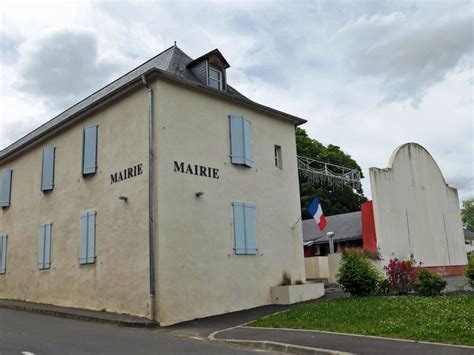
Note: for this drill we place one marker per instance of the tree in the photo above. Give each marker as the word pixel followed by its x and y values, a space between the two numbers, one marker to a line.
pixel 333 200
pixel 467 214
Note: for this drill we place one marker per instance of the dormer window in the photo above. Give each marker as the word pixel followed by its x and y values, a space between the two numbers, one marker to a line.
pixel 215 78
pixel 210 69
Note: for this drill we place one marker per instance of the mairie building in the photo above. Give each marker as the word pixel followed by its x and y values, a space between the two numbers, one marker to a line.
pixel 166 194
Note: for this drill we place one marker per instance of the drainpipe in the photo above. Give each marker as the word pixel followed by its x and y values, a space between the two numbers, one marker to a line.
pixel 151 251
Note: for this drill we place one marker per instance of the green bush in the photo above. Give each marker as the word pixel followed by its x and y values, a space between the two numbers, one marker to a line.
pixel 429 284
pixel 384 287
pixel 371 254
pixel 470 271
pixel 358 275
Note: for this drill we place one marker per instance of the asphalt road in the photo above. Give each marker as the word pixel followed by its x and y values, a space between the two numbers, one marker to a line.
pixel 26 333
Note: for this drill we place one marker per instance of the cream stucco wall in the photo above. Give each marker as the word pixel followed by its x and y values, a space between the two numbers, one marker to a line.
pixel 334 261
pixel 118 281
pixel 415 212
pixel 316 267
pixel 198 273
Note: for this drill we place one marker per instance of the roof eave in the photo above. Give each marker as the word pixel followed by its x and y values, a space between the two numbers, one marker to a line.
pixel 11 149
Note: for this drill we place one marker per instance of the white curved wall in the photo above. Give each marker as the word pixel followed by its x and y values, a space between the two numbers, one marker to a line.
pixel 415 211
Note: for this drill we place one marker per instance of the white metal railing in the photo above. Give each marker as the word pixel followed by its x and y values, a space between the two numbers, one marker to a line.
pixel 320 172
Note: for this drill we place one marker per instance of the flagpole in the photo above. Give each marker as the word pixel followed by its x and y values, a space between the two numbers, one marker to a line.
pixel 294 224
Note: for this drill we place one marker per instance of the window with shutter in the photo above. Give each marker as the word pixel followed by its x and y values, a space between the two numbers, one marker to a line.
pixel 245 241
pixel 6 188
pixel 241 141
pixel 3 253
pixel 89 150
pixel 47 172
pixel 44 250
pixel 87 249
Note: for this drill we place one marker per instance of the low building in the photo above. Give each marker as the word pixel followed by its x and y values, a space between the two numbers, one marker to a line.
pixel 166 194
pixel 347 229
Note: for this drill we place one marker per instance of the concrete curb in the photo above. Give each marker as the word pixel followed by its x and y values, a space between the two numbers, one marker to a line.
pixel 273 345
pixel 83 317
pixel 293 348
pixel 282 347
pixel 364 336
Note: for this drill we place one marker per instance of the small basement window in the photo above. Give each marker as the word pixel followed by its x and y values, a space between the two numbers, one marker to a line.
pixel 215 78
pixel 278 157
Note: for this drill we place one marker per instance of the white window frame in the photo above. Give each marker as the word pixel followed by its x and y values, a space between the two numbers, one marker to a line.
pixel 277 157
pixel 219 81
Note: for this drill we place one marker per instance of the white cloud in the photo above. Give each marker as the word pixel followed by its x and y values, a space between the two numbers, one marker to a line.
pixel 369 76
pixel 63 65
pixel 407 54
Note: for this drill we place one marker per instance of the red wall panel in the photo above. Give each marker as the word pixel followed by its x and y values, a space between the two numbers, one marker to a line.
pixel 369 236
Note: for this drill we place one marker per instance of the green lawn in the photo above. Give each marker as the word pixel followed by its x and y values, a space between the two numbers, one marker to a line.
pixel 444 319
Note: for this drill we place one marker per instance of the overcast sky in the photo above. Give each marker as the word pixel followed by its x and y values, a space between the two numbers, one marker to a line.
pixel 368 75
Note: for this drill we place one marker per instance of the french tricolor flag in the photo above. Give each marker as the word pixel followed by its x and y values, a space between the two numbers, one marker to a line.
pixel 315 210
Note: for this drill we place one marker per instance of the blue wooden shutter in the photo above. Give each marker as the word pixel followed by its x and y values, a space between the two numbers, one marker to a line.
pixel 44 254
pixel 41 246
pixel 250 229
pixel 83 250
pixel 91 237
pixel 3 253
pixel 239 228
pixel 241 141
pixel 87 249
pixel 47 249
pixel 248 156
pixel 237 152
pixel 47 174
pixel 89 150
pixel 6 188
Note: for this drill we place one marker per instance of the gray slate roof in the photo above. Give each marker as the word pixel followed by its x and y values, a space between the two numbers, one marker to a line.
pixel 345 226
pixel 171 64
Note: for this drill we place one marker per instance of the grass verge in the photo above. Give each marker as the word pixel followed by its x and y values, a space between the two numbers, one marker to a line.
pixel 444 319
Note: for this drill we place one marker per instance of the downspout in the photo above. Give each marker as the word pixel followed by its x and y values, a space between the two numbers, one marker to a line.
pixel 151 251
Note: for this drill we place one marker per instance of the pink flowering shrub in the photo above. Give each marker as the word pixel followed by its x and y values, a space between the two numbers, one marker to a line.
pixel 402 275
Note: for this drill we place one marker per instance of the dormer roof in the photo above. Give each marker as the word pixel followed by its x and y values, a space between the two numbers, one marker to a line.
pixel 214 57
